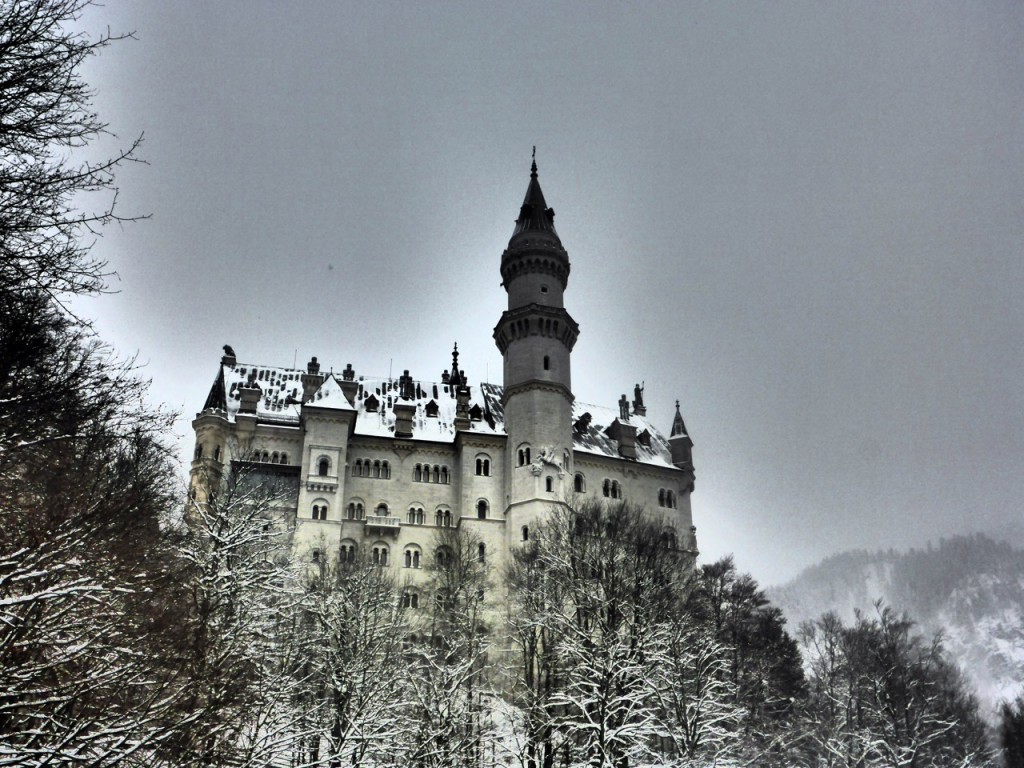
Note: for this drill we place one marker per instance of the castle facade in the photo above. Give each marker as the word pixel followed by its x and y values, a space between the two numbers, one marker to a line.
pixel 374 467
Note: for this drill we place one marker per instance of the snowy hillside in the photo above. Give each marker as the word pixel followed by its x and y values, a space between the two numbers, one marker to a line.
pixel 971 588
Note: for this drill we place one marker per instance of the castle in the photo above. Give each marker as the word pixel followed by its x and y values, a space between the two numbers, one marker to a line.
pixel 375 466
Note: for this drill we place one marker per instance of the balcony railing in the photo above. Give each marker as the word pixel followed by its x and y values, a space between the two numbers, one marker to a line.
pixel 378 521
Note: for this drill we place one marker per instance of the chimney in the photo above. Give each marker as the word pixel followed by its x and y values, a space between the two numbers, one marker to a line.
pixel 250 395
pixel 404 413
pixel 349 385
pixel 311 380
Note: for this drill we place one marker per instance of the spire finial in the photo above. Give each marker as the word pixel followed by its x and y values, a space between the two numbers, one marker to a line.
pixel 533 165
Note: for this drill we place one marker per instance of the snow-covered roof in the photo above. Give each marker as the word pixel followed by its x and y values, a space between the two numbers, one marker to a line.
pixel 435 405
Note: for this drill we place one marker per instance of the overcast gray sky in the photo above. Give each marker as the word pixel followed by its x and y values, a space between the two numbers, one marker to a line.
pixel 801 219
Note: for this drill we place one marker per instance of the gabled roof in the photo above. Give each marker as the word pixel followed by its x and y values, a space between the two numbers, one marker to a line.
pixel 330 395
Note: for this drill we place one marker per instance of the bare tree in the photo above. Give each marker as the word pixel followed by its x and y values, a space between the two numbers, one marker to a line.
pixel 352 628
pixel 236 648
pixel 46 113
pixel 449 668
pixel 882 695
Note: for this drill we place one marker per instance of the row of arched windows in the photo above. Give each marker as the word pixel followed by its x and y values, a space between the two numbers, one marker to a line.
pixel 666 498
pixel 371 468
pixel 261 456
pixel 611 489
pixel 415 516
pixel 424 473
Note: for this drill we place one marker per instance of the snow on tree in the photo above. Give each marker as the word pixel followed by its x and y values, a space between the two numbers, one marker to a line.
pixel 238 650
pixel 448 666
pixel 352 629
pixel 881 695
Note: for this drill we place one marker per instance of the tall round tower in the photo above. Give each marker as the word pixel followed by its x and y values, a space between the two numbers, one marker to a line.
pixel 535 337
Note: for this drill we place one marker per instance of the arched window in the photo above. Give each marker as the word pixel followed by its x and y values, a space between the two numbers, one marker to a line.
pixel 549 484
pixel 526 533
pixel 410 599
pixel 412 516
pixel 385 470
pixel 323 466
pixel 348 551
pixel 199 452
pixel 417 474
pixel 661 497
pixel 444 475
pixel 265 458
pixel 381 510
pixel 606 487
pixel 412 557
pixel 481 509
pixel 284 458
pixel 355 510
pixel 481 552
pixel 579 484
pixel 524 456
pixel 380 554
pixel 443 557
pixel 376 469
pixel 447 518
pixel 616 490
pixel 419 516
pixel 273 456
pixel 438 518
pixel 437 474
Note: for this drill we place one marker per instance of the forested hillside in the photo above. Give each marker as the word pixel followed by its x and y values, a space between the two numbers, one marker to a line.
pixel 969 587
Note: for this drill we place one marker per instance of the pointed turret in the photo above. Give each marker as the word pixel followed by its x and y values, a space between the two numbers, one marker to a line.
pixel 680 443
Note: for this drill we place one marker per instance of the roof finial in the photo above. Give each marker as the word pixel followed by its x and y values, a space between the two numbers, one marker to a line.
pixel 533 166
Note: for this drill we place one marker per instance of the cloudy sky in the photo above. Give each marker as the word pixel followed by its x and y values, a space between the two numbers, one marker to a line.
pixel 801 219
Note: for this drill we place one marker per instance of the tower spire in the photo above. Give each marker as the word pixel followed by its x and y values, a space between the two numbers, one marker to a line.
pixel 678 427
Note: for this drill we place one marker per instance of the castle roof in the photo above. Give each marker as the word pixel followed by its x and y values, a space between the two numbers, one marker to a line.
pixel 281 393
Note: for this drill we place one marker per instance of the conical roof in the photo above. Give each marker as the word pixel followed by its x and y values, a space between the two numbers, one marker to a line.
pixel 534 215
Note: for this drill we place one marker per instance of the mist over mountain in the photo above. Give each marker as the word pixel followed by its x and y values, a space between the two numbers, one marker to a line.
pixel 971 588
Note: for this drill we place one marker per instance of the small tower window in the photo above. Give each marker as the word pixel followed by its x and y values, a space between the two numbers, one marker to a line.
pixel 526 533
pixel 579 484
pixel 323 467
pixel 216 453
pixel 481 552
pixel 549 484
pixel 547 363
pixel 481 509
pixel 543 289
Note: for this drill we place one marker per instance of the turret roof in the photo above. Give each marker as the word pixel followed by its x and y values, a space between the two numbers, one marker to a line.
pixel 678 427
pixel 534 215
